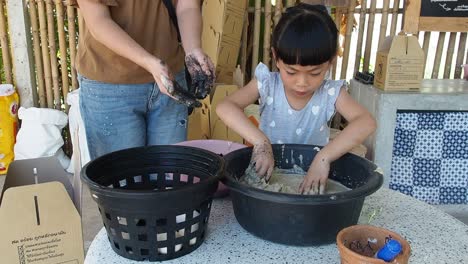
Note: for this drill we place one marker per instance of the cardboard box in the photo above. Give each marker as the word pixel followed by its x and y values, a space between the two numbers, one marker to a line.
pixel 204 123
pixel 199 121
pixel 223 22
pixel 38 221
pixel 48 169
pixel 217 127
pixel 400 64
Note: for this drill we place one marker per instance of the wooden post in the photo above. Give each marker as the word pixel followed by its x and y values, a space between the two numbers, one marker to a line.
pixel 460 55
pixel 338 15
pixel 53 53
pixel 244 42
pixel 267 34
pixel 23 61
pixel 37 54
pixel 369 37
pixel 72 43
pixel 256 39
pixel 383 24
pixel 449 56
pixel 411 17
pixel 276 18
pixel 427 38
pixel 63 50
pixel 396 6
pixel 5 46
pixel 45 53
pixel 347 44
pixel 438 56
pixel 362 23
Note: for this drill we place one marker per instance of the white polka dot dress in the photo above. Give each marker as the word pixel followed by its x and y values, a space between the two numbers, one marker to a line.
pixel 283 124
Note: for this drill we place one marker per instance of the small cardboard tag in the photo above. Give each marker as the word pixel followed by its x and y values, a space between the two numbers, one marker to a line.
pixel 40 225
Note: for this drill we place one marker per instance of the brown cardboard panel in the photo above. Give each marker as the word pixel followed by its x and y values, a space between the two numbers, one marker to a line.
pixel 199 122
pixel 48 169
pixel 399 64
pixel 218 129
pixel 236 4
pixel 228 54
pixel 224 75
pixel 39 224
pixel 233 23
pixel 222 30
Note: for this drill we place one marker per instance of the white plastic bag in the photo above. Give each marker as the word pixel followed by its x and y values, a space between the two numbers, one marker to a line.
pixel 40 134
pixel 77 132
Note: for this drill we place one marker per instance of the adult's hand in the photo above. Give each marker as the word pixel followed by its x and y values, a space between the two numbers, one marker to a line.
pixel 202 73
pixel 167 85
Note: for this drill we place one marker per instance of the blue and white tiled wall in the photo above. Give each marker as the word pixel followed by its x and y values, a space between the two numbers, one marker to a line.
pixel 430 156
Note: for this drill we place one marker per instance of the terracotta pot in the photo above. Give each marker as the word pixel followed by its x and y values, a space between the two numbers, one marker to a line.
pixel 361 234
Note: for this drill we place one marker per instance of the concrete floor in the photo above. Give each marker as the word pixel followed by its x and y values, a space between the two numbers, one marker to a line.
pixel 91 219
pixel 92 223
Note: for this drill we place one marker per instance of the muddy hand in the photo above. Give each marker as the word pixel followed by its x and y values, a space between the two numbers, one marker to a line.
pixel 201 71
pixel 262 155
pixel 316 179
pixel 179 93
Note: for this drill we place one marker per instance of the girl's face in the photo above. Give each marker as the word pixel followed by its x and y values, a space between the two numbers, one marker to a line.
pixel 300 82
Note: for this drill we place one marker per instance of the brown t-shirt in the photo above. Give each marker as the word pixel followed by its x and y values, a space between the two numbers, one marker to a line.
pixel 149 24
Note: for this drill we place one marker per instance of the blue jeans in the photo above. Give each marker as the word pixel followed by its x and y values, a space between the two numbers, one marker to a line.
pixel 120 116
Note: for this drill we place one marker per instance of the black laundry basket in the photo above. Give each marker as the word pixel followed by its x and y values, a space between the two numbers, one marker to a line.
pixel 154 201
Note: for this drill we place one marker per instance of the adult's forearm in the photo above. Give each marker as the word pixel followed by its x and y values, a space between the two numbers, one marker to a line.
pixel 190 26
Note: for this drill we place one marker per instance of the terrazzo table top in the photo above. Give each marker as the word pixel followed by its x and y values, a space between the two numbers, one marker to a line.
pixel 434 236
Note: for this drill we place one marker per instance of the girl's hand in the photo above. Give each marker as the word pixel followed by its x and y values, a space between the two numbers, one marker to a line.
pixel 262 157
pixel 316 178
pixel 201 71
pixel 168 86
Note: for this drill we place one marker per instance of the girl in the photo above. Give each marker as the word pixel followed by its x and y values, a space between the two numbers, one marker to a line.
pixel 297 102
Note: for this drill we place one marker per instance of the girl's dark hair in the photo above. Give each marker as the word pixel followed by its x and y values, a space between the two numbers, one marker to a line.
pixel 305 35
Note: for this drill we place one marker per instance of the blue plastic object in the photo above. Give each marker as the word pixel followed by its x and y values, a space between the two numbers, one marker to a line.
pixel 390 250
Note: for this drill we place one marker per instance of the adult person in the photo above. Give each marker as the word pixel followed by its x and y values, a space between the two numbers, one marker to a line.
pixel 131 72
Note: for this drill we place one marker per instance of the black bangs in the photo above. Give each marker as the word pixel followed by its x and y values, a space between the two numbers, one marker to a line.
pixel 305 38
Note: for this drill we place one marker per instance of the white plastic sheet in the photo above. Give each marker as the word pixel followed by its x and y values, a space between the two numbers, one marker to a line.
pixel 77 133
pixel 40 134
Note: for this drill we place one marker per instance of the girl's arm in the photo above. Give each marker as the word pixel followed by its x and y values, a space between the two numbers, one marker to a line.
pixel 360 125
pixel 110 34
pixel 231 111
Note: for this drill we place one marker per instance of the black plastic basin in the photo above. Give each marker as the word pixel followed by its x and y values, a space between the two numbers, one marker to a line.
pixel 301 220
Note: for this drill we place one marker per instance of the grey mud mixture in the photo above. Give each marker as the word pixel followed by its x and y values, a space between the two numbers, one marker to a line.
pixel 286 181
